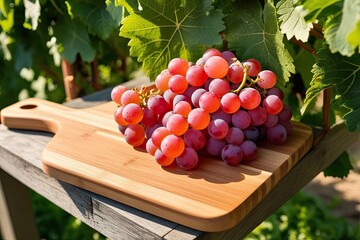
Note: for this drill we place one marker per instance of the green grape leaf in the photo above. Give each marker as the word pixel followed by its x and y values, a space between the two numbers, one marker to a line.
pixel 163 30
pixel 73 37
pixel 32 14
pixel 94 15
pixel 313 8
pixel 342 24
pixel 342 73
pixel 115 12
pixel 340 167
pixel 130 5
pixel 292 20
pixel 254 33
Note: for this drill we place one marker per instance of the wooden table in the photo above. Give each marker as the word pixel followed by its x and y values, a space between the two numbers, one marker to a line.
pixel 21 168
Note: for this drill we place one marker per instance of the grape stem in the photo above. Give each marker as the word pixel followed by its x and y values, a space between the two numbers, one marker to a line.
pixel 145 93
pixel 245 78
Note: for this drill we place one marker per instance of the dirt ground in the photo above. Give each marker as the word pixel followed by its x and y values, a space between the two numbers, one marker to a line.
pixel 343 195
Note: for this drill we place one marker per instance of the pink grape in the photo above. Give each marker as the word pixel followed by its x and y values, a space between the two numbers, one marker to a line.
pixel 216 67
pixel 258 116
pixel 119 119
pixel 178 66
pixel 230 102
pixel 235 73
pixel 285 114
pixel 232 154
pixel 218 129
pixel 219 86
pixel 250 98
pixel 149 117
pixel 271 120
pixel 249 150
pixel 189 91
pixel 210 53
pixel 241 119
pixel 194 138
pixel 178 83
pixel 116 93
pixel 132 113
pixel 150 147
pixel 134 135
pixel 276 91
pixel 177 124
pixel 130 96
pixel 272 104
pixel 255 67
pixel 150 129
pixel 157 104
pixel 228 56
pixel 162 159
pixel 166 116
pixel 172 146
pixel 214 146
pixel 276 134
pixel 267 79
pixel 169 97
pixel 198 118
pixel 162 80
pixel 235 136
pixel 288 126
pixel 159 134
pixel 196 96
pixel 179 98
pixel 188 159
pixel 196 76
pixel 209 102
pixel 183 108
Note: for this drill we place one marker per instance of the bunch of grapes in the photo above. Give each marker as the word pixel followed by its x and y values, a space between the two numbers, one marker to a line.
pixel 219 106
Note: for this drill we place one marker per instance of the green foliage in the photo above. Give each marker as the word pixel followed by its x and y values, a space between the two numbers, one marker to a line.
pixel 304 217
pixel 339 168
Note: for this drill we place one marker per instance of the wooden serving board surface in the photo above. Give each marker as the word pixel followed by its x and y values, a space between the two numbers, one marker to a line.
pixel 88 151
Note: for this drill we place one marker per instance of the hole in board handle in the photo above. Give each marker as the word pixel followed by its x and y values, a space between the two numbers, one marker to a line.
pixel 28 106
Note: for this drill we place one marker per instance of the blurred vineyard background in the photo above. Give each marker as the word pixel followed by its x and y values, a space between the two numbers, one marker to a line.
pixel 39 38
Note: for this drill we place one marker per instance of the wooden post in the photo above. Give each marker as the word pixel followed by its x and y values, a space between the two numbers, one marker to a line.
pixel 71 89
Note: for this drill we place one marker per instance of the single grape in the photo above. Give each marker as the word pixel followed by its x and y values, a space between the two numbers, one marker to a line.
pixel 198 118
pixel 214 146
pixel 219 86
pixel 285 114
pixel 196 76
pixel 122 128
pixel 162 159
pixel 162 80
pixel 251 133
pixel 267 79
pixel 172 145
pixel 165 118
pixel 255 67
pixel 272 104
pixel 116 93
pixel 188 159
pixel 241 119
pixel 220 114
pixel 189 91
pixel 183 108
pixel 276 91
pixel 232 154
pixel 150 147
pixel 288 126
pixel 271 120
pixel 250 98
pixel 194 138
pixel 178 84
pixel 149 117
pixel 209 102
pixel 178 66
pixel 216 67
pixel 276 134
pixel 228 56
pixel 249 150
pixel 210 53
pixel 132 113
pixel 119 119
pixel 134 134
pixel 157 104
pixel 218 129
pixel 177 124
pixel 169 97
pixel 230 102
pixel 196 96
pixel 159 134
pixel 149 130
pixel 258 116
pixel 180 97
pixel 235 136
pixel 235 73
pixel 130 96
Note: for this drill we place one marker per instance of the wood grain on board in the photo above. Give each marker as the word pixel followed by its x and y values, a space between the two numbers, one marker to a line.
pixel 89 152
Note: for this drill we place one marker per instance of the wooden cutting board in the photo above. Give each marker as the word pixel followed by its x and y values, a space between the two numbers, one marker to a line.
pixel 88 151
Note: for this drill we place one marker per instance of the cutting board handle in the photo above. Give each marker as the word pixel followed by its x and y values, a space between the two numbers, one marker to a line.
pixel 34 114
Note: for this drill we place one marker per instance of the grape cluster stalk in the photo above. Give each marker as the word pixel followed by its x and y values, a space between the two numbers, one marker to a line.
pixel 219 107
